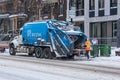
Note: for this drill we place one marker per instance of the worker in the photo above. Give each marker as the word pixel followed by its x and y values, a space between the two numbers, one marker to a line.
pixel 88 48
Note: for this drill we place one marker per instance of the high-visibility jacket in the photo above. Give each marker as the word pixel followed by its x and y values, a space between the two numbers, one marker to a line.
pixel 88 45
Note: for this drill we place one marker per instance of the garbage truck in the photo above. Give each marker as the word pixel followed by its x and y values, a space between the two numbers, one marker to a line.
pixel 48 39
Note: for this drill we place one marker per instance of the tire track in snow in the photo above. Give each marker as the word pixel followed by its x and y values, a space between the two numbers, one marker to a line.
pixel 94 68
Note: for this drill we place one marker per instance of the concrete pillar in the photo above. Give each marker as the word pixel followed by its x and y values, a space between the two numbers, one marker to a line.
pixel 87 28
pixel 96 7
pixel 118 8
pixel 67 12
pixel 86 22
pixel 107 7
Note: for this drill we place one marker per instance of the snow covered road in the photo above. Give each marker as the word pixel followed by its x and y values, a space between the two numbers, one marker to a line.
pixel 30 68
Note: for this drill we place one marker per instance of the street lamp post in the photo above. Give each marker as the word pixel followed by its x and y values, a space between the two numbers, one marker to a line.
pixel 71 20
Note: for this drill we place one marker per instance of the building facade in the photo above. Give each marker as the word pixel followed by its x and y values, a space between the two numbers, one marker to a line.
pixel 5 10
pixel 53 9
pixel 97 18
pixel 11 15
pixel 14 13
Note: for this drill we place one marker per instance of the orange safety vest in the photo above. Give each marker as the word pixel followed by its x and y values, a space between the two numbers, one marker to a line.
pixel 88 45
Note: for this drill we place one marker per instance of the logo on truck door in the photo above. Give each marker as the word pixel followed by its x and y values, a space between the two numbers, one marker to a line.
pixel 28 33
pixel 31 34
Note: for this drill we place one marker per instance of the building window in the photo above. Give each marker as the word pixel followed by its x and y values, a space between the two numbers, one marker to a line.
pixel 113 3
pixel 113 11
pixel 92 33
pixel 114 29
pixel 92 14
pixel 80 4
pixel 10 9
pixel 113 7
pixel 92 8
pixel 71 4
pixel 61 7
pixel 103 32
pixel 101 7
pixel 101 13
pixel 45 9
pixel 92 4
pixel 101 3
pixel 79 7
pixel 82 27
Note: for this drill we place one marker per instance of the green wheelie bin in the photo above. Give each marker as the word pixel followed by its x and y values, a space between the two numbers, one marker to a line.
pixel 95 50
pixel 105 50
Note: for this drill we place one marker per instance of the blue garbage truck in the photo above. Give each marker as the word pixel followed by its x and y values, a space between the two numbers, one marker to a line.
pixel 48 39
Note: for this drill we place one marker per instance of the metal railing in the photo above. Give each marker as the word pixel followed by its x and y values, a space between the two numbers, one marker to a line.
pixel 107 40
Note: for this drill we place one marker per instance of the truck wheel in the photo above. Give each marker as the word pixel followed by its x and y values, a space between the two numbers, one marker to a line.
pixel 12 50
pixel 47 53
pixel 38 52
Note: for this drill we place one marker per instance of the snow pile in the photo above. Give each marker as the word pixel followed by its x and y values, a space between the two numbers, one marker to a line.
pixel 113 60
pixel 7 51
pixel 113 49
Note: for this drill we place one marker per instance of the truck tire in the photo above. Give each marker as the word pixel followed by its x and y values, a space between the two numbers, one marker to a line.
pixel 12 50
pixel 38 52
pixel 47 53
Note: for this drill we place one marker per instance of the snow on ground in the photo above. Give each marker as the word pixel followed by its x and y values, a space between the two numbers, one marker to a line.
pixel 112 57
pixel 113 60
pixel 10 70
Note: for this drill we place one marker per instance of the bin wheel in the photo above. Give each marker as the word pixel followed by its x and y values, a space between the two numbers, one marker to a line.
pixel 12 50
pixel 38 52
